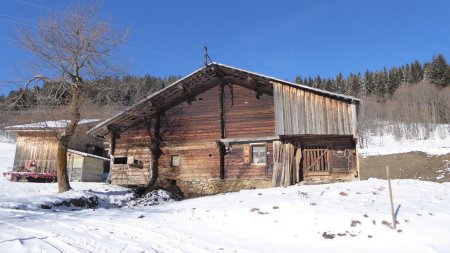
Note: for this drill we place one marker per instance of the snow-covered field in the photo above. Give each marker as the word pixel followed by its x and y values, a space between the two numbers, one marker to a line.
pixel 437 142
pixel 293 219
pixel 339 217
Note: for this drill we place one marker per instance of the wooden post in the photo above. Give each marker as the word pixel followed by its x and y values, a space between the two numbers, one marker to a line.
pixel 394 222
pixel 222 131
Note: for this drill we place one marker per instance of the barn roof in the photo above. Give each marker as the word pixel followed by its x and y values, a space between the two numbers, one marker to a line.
pixel 196 83
pixel 47 125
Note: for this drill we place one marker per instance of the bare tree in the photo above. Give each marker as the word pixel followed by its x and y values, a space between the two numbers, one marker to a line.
pixel 73 48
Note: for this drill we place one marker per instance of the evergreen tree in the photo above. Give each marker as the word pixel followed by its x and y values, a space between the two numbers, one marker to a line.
pixel 354 87
pixel 318 82
pixel 369 83
pixel 341 86
pixel 416 74
pixel 393 81
pixel 438 71
pixel 381 79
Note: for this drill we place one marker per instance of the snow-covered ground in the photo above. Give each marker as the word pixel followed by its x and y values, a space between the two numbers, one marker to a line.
pixel 437 142
pixel 7 151
pixel 339 217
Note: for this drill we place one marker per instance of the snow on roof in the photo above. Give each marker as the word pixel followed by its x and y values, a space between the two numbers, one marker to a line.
pixel 49 124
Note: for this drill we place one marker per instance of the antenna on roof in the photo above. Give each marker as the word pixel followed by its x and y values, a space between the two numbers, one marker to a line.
pixel 206 56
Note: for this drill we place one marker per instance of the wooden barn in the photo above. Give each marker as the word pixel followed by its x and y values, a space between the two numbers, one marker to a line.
pixel 223 129
pixel 37 145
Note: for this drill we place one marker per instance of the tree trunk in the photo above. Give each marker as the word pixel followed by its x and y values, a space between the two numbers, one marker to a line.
pixel 61 171
pixel 155 146
pixel 69 131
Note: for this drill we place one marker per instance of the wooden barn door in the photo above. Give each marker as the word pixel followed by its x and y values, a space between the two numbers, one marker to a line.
pixel 316 161
pixel 286 164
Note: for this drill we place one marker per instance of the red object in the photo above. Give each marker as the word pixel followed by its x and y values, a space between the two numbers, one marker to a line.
pixel 31 176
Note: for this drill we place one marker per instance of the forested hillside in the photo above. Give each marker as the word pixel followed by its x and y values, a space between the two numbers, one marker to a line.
pixel 102 99
pixel 383 84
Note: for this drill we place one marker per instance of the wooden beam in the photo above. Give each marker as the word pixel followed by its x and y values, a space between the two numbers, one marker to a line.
pixel 249 140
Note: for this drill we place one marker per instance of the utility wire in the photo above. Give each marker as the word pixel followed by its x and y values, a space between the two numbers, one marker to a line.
pixel 32 24
pixel 135 30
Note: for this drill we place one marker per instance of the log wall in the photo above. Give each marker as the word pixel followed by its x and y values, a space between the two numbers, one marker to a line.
pixel 192 132
pixel 246 116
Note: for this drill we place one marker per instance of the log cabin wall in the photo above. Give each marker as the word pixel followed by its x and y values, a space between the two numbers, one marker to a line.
pixel 247 117
pixel 132 143
pixel 301 112
pixel 191 133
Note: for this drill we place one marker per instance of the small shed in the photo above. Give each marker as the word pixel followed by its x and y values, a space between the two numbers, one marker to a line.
pixel 37 145
pixel 85 167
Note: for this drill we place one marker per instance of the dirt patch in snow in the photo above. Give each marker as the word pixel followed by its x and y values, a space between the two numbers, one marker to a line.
pixel 412 165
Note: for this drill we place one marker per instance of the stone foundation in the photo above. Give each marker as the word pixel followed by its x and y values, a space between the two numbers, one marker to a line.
pixel 197 188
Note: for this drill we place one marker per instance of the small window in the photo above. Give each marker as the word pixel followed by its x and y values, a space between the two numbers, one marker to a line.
pixel 259 154
pixel 175 160
pixel 120 160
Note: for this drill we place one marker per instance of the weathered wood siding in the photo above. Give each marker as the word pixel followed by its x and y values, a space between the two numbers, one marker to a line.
pixel 74 166
pixel 235 168
pixel 300 112
pixel 41 148
pixel 92 170
pixel 341 156
pixel 192 131
pixel 133 142
pixel 246 116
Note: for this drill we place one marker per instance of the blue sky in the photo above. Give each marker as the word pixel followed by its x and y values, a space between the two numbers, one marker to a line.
pixel 278 38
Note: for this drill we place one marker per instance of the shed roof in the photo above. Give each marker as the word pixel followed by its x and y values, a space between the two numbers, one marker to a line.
pixel 84 154
pixel 47 125
pixel 195 83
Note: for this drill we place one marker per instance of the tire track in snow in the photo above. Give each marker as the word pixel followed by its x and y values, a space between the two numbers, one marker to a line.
pixel 58 221
pixel 45 237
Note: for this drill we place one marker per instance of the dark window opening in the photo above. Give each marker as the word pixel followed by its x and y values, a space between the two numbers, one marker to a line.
pixel 120 160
